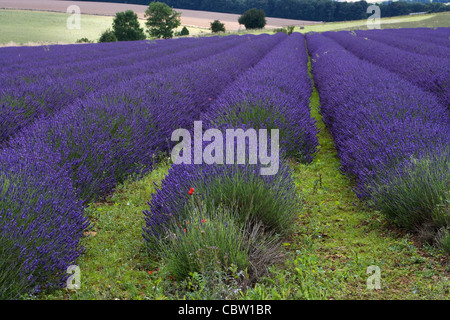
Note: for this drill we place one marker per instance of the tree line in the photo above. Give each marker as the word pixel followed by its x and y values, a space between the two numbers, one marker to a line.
pixel 161 20
pixel 315 10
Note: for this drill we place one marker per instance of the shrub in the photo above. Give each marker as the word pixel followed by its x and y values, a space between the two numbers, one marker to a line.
pixel 270 199
pixel 126 26
pixel 84 40
pixel 298 143
pixel 253 19
pixel 217 26
pixel 288 30
pixel 207 241
pixel 213 242
pixel 108 36
pixel 444 241
pixel 161 20
pixel 415 192
pixel 41 222
pixel 184 32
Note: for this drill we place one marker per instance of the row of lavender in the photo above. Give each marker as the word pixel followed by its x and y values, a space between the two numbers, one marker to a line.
pixel 274 94
pixel 52 167
pixel 138 51
pixel 431 72
pixel 42 58
pixel 392 131
pixel 439 36
pixel 404 42
pixel 25 101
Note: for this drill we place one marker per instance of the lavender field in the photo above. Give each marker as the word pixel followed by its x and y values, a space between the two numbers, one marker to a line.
pixel 79 121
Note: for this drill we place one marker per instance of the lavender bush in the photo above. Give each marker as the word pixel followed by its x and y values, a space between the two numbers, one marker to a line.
pixel 41 222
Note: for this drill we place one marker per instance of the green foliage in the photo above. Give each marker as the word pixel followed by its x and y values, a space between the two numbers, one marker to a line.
pixel 262 115
pixel 288 30
pixel 252 198
pixel 256 115
pixel 445 242
pixel 253 19
pixel 84 40
pixel 126 26
pixel 161 20
pixel 217 243
pixel 207 241
pixel 108 36
pixel 217 26
pixel 184 31
pixel 415 193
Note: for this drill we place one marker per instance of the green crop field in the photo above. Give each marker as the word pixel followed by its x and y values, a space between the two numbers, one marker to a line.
pixel 26 27
pixel 416 21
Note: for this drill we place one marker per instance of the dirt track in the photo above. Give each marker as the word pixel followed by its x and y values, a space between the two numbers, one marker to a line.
pixel 188 17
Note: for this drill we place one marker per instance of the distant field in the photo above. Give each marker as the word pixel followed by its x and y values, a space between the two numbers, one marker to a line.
pixel 432 20
pixel 23 27
pixel 30 27
pixel 194 18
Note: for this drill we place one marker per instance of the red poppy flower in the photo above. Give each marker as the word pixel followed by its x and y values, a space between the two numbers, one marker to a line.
pixel 191 191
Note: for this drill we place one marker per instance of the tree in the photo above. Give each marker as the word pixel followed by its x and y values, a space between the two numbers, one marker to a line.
pixel 126 26
pixel 108 36
pixel 184 31
pixel 253 19
pixel 217 26
pixel 161 20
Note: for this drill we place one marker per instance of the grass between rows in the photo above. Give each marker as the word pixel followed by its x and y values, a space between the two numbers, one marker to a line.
pixel 336 239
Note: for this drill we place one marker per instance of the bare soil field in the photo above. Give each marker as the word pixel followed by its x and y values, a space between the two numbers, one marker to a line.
pixel 188 17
